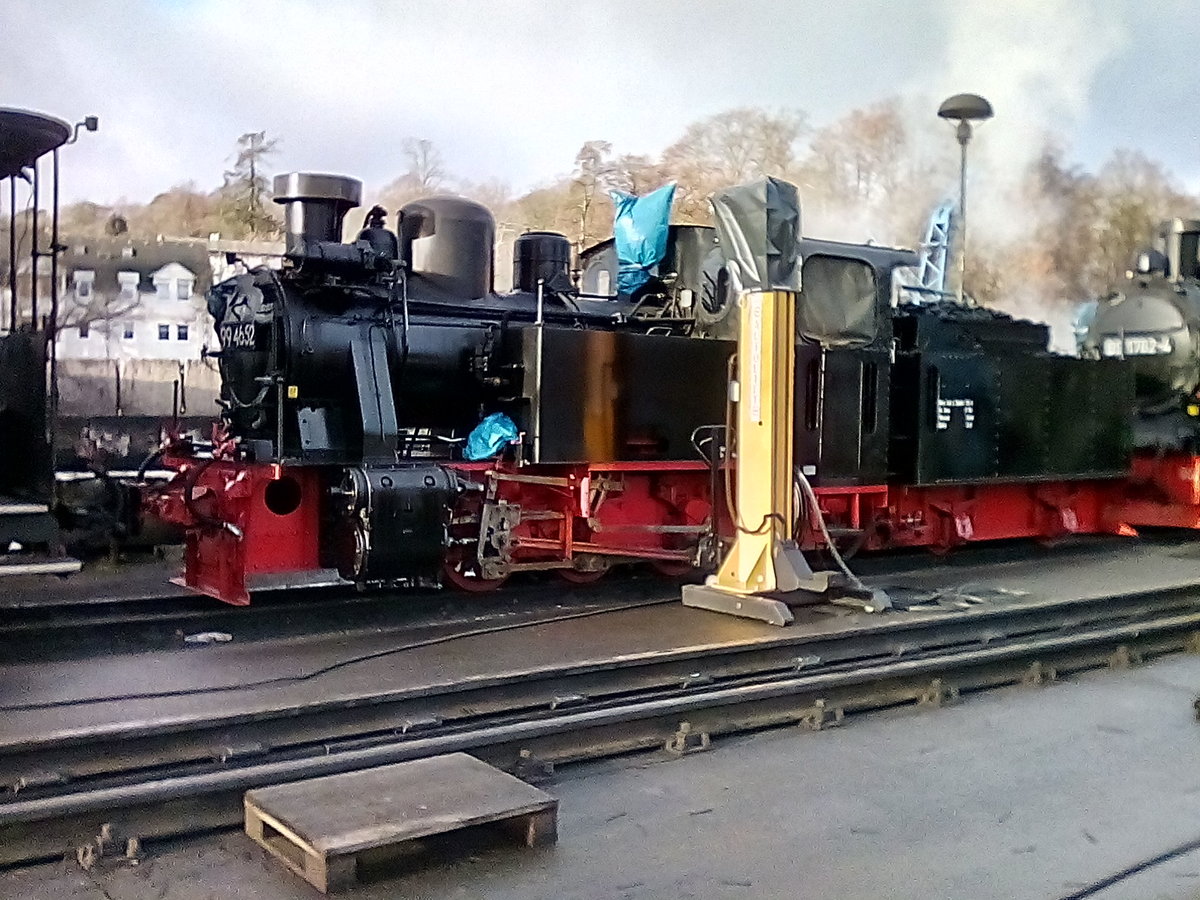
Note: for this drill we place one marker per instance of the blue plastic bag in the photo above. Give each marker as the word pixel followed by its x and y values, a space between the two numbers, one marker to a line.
pixel 640 231
pixel 490 436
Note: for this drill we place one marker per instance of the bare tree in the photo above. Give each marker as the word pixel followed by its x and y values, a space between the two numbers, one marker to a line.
pixel 426 170
pixel 548 208
pixel 1133 193
pixel 727 149
pixel 183 211
pixel 84 218
pixel 636 174
pixel 866 175
pixel 593 170
pixel 860 157
pixel 100 308
pixel 425 175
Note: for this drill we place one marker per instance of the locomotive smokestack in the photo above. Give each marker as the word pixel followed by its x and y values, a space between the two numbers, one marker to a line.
pixel 314 205
pixel 1180 240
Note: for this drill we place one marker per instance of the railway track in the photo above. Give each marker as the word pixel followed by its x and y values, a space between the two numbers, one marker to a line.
pixel 163 621
pixel 169 777
pixel 47 620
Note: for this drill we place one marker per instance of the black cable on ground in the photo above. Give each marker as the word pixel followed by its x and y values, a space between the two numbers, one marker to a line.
pixel 340 664
pixel 1105 883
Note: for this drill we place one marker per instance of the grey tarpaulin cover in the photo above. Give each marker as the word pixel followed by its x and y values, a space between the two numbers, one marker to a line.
pixel 759 228
pixel 837 306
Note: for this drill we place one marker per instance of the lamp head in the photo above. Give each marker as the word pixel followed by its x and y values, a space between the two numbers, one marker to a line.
pixel 965 108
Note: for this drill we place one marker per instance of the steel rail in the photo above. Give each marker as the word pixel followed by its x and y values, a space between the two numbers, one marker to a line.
pixel 141 607
pixel 146 744
pixel 30 827
pixel 147 623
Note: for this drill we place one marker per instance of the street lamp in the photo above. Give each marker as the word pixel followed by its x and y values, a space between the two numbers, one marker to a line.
pixel 964 109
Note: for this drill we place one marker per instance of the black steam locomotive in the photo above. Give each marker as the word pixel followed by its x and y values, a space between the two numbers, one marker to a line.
pixel 353 379
pixel 1152 321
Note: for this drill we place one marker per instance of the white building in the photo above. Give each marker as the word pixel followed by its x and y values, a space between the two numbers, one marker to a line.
pixel 228 258
pixel 134 300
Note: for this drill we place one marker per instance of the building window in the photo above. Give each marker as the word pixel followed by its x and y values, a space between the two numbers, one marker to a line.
pixel 162 290
pixel 129 285
pixel 164 332
pixel 184 288
pixel 128 331
pixel 83 330
pixel 181 332
pixel 83 285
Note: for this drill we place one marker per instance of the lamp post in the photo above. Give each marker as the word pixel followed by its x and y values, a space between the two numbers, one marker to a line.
pixel 964 109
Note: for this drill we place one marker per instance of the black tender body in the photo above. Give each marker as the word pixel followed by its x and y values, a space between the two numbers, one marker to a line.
pixel 976 397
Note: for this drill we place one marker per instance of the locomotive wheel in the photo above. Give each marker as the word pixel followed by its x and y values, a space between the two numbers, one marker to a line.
pixel 671 568
pixel 574 576
pixel 585 576
pixel 462 571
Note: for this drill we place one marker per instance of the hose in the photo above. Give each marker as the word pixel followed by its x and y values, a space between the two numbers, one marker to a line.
pixel 153 457
pixel 349 661
pixel 811 497
pixel 189 502
pixel 1129 871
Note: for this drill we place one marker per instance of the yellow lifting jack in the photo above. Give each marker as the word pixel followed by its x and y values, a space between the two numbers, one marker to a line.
pixel 764 572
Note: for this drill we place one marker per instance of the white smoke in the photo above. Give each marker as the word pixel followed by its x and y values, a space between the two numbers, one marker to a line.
pixel 1036 61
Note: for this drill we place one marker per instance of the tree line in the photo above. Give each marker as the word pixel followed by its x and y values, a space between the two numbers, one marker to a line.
pixel 1056 232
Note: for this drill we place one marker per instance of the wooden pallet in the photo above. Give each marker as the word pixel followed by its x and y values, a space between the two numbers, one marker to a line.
pixel 323 828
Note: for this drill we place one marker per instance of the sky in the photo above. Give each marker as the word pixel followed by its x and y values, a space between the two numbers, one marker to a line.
pixel 510 89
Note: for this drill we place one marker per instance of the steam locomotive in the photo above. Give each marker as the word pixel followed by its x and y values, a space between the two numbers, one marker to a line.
pixel 356 382
pixel 1152 321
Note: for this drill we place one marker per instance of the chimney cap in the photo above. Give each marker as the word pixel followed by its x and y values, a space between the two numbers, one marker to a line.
pixel 317 186
pixel 1179 226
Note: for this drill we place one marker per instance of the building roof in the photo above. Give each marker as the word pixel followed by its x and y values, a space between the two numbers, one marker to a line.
pixel 107 258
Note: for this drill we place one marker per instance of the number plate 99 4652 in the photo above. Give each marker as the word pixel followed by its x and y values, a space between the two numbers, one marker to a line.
pixel 239 336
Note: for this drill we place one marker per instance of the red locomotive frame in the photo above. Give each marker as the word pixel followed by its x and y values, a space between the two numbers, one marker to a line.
pixel 245 520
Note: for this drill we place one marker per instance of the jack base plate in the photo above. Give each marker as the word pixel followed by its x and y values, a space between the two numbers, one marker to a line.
pixel 822 587
pixel 767 609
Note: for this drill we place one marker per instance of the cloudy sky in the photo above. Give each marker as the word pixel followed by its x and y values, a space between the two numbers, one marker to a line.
pixel 510 88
